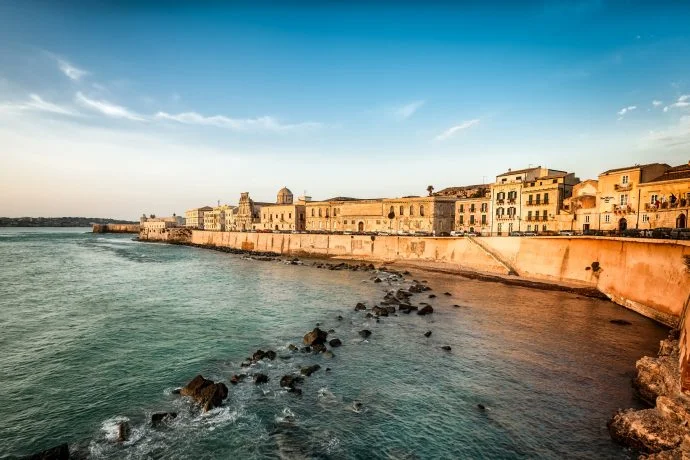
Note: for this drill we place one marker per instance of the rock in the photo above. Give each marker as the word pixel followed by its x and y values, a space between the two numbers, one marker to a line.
pixel 176 391
pixel 237 378
pixel 292 347
pixel 245 363
pixel 60 452
pixel 340 318
pixel 319 348
pixel 645 430
pixel 160 417
pixel 456 306
pixel 331 331
pixel 310 370
pixel 316 336
pixel 122 431
pixel 334 343
pixel 432 296
pixel 205 392
pixel 328 355
pixel 445 347
pixel 657 377
pixel 427 334
pixel 390 309
pixel 379 311
pixel 305 350
pixel 328 369
pixel 447 293
pixel 369 315
pixel 270 354
pixel 481 406
pixel 290 381
pixel 620 322
pixel 360 306
pixel 377 280
pixel 260 354
pixel 365 333
pixel 427 310
pixel 260 378
pixel 297 391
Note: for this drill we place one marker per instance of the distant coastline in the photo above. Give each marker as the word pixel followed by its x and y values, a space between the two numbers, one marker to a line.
pixel 58 221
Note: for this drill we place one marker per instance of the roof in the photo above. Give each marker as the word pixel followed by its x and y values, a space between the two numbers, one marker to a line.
pixel 633 167
pixel 285 190
pixel 343 198
pixel 519 171
pixel 263 203
pixel 675 173
pixel 553 176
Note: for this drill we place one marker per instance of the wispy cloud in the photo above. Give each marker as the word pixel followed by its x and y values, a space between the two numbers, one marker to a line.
pixel 71 71
pixel 450 132
pixel 677 135
pixel 407 110
pixel 37 103
pixel 625 110
pixel 236 124
pixel 682 102
pixel 657 103
pixel 108 109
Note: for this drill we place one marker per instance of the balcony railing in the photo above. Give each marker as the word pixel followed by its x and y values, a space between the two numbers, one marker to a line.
pixel 623 187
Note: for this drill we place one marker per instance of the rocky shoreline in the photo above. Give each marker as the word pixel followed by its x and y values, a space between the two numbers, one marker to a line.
pixel 662 431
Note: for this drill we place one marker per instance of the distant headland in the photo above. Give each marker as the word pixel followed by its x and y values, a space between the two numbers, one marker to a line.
pixel 58 221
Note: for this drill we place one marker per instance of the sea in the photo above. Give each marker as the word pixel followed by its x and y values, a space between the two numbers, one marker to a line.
pixel 99 329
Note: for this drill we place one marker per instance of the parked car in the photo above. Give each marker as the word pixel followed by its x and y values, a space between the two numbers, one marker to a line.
pixel 472 234
pixel 680 234
pixel 444 234
pixel 593 233
pixel 515 233
pixel 631 233
pixel 566 233
pixel 661 233
pixel 457 233
pixel 529 234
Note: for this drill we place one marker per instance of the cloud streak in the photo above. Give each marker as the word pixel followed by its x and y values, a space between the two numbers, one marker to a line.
pixel 406 111
pixel 682 103
pixel 72 72
pixel 267 123
pixel 677 135
pixel 37 103
pixel 452 131
pixel 625 110
pixel 108 109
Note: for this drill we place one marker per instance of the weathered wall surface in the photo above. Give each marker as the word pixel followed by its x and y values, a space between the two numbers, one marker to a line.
pixel 115 228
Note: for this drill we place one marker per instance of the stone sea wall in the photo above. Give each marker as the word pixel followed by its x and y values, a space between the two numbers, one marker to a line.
pixel 115 228
pixel 648 276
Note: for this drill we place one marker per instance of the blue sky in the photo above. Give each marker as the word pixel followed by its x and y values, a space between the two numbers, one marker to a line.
pixel 119 108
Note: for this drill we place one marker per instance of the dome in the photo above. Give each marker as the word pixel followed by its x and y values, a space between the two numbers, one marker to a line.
pixel 284 196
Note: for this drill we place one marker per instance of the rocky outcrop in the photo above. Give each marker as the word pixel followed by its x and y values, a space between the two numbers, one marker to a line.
pixel 158 418
pixel 335 343
pixel 60 452
pixel 205 392
pixel 664 430
pixel 316 336
pixel 427 310
pixel 310 370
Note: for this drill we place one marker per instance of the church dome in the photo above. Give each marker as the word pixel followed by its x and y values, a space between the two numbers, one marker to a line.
pixel 284 196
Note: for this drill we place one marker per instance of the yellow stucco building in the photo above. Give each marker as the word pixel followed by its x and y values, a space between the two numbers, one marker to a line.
pixel 666 199
pixel 284 215
pixel 194 218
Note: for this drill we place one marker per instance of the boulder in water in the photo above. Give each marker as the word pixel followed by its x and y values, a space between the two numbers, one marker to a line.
pixel 310 370
pixel 316 336
pixel 60 452
pixel 335 343
pixel 162 417
pixel 319 348
pixel 237 378
pixel 446 347
pixel 427 334
pixel 360 306
pixel 620 322
pixel 260 378
pixel 292 347
pixel 427 310
pixel 290 381
pixel 122 431
pixel 365 333
pixel 205 392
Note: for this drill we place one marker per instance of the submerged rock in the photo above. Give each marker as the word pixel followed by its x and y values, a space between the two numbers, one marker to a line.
pixel 319 348
pixel 310 370
pixel 60 452
pixel 160 417
pixel 335 343
pixel 316 336
pixel 290 381
pixel 205 392
pixel 360 306
pixel 427 310
pixel 447 294
pixel 237 378
pixel 427 334
pixel 365 333
pixel 123 431
pixel 292 347
pixel 446 347
pixel 260 378
pixel 620 322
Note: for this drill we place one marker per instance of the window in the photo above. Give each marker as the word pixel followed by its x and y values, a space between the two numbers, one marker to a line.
pixel 511 211
pixel 529 200
pixel 462 208
pixel 544 214
pixel 412 210
pixel 653 198
pixel 472 219
pixel 282 216
pixel 472 208
pixel 624 180
pixel 401 210
pixel 529 215
pixel 500 211
pixel 421 210
pixel 485 207
pixel 586 219
pixel 289 215
pixel 312 212
pixel 378 222
pixel 391 210
pixel 546 198
pixel 543 228
pixel 327 213
pixel 320 212
pixel 499 227
pixel 555 181
pixel 504 180
pixel 607 218
pixel 462 219
pixel 624 199
pixel 529 228
pixel 645 218
pixel 483 219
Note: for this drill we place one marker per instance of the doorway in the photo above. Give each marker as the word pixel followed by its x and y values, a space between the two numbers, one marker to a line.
pixel 681 221
pixel 622 225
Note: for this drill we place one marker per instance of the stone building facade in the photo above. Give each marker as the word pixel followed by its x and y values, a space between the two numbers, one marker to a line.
pixel 665 200
pixel 216 220
pixel 248 216
pixel 194 218
pixel 473 213
pixel 284 215
pixel 580 212
pixel 153 222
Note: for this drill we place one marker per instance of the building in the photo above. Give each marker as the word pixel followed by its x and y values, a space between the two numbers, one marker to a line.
pixel 216 220
pixel 580 212
pixel 194 218
pixel 431 215
pixel 665 200
pixel 619 195
pixel 248 216
pixel 529 199
pixel 153 222
pixel 473 210
pixel 285 215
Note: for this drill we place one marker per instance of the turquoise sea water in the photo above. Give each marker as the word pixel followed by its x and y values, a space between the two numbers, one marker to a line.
pixel 99 328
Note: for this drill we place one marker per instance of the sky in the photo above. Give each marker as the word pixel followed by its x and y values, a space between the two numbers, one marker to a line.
pixel 114 109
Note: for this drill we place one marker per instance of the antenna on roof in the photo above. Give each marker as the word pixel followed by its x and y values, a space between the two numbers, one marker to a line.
pixel 218 202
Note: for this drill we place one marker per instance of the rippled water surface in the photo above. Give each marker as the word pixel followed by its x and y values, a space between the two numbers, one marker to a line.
pixel 99 328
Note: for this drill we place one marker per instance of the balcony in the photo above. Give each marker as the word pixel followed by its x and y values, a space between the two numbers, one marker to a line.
pixel 533 203
pixel 623 187
pixel 623 209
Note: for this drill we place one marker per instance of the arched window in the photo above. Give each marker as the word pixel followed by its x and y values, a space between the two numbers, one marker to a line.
pixel 312 212
pixel 327 212
pixel 401 210
pixel 421 209
pixel 412 210
pixel 320 212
